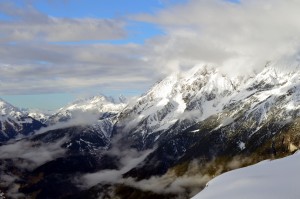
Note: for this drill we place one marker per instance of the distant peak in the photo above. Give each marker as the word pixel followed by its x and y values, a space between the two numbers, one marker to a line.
pixel 5 104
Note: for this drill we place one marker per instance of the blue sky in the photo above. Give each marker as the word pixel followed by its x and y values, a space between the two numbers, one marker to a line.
pixel 107 9
pixel 53 52
pixel 137 32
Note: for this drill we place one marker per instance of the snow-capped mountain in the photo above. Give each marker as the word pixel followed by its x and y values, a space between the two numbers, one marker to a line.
pixel 39 115
pixel 97 105
pixel 9 110
pixel 202 117
pixel 180 101
pixel 14 122
pixel 189 97
pixel 86 125
pixel 92 116
pixel 255 117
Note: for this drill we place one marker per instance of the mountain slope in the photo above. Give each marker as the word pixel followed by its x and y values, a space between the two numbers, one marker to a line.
pixel 253 114
pixel 180 101
pixel 266 180
pixel 38 115
pixel 184 99
pixel 197 124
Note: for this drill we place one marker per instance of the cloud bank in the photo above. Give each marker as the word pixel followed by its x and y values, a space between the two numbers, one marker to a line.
pixel 236 36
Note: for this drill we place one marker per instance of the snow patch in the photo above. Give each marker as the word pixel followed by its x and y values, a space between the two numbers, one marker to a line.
pixel 267 180
pixel 241 145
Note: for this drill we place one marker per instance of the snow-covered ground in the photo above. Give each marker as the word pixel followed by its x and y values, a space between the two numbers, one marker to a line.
pixel 278 179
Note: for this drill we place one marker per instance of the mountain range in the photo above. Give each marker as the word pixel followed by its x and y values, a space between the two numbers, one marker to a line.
pixel 168 143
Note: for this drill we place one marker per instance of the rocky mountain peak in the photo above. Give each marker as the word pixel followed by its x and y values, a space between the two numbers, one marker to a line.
pixel 6 109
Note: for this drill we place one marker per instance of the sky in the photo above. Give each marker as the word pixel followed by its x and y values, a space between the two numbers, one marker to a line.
pixel 53 52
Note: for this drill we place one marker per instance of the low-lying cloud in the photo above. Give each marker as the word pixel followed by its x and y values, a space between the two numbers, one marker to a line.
pixel 77 118
pixel 186 185
pixel 168 184
pixel 12 188
pixel 29 154
pixel 128 159
pixel 25 155
pixel 194 179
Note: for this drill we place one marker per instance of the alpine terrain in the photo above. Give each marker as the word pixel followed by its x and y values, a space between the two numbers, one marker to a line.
pixel 168 143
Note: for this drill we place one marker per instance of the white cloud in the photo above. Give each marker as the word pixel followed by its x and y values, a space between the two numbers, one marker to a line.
pixel 239 38
pixel 61 30
pixel 79 118
pixel 129 158
pixel 28 24
pixel 34 153
pixel 33 64
pixel 186 185
pixel 227 34
pixel 65 68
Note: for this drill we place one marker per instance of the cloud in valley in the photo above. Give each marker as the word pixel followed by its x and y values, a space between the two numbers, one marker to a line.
pixel 129 158
pixel 78 118
pixel 186 185
pixel 29 154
